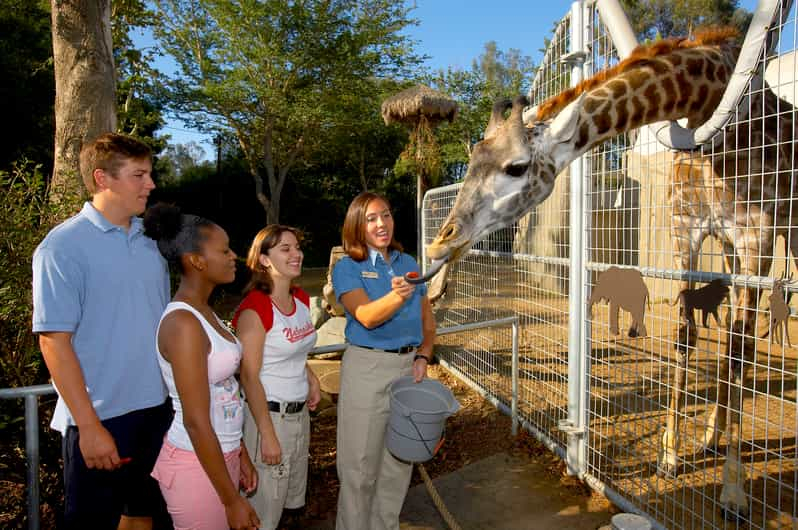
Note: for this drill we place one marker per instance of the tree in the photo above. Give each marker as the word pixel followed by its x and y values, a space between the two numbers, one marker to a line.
pixel 177 159
pixel 27 89
pixel 653 19
pixel 85 85
pixel 493 75
pixel 139 90
pixel 360 146
pixel 273 72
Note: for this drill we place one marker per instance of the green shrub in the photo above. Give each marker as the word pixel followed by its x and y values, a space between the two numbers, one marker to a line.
pixel 25 218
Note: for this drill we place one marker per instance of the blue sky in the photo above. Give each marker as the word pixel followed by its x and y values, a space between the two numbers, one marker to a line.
pixel 454 32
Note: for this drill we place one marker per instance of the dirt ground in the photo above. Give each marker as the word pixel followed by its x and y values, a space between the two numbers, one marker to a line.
pixel 478 430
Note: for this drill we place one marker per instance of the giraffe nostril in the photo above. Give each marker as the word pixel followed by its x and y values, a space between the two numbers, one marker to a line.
pixel 449 231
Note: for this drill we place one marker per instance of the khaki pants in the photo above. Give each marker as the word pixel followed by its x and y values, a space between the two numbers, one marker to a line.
pixel 373 482
pixel 283 485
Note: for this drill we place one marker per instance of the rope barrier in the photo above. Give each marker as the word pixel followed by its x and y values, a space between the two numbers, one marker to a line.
pixel 436 498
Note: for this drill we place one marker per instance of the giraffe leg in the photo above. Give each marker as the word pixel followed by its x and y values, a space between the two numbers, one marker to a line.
pixel 754 251
pixel 733 499
pixel 716 420
pixel 667 459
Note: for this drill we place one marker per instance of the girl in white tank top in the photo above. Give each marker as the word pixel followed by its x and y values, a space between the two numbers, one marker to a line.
pixel 274 325
pixel 202 463
pixel 226 409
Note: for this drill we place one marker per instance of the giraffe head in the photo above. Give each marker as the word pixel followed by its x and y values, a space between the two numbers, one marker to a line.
pixel 511 171
pixel 513 168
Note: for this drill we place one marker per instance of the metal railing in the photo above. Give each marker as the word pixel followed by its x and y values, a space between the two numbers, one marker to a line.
pixel 31 396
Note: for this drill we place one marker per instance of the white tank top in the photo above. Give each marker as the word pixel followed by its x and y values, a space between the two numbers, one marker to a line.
pixel 288 340
pixel 226 410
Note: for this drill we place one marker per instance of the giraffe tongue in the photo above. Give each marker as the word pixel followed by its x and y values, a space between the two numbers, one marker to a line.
pixel 435 266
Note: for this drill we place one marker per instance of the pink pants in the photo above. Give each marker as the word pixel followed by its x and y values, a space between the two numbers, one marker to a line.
pixel 190 497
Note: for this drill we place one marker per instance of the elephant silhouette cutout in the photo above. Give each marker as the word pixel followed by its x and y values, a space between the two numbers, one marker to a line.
pixel 706 299
pixel 622 288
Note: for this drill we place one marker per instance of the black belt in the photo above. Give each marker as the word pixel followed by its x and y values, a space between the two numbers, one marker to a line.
pixel 291 407
pixel 403 349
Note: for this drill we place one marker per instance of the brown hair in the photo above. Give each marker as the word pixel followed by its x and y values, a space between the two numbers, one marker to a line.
pixel 109 152
pixel 354 230
pixel 265 240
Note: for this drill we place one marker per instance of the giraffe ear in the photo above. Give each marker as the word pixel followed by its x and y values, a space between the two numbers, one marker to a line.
pixel 563 127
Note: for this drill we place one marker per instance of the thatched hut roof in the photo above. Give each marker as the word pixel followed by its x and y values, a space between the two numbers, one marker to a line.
pixel 409 105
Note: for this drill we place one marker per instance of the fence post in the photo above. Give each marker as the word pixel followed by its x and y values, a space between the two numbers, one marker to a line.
pixel 514 375
pixel 574 425
pixel 32 454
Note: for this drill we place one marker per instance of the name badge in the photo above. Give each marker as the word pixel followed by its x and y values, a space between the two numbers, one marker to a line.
pixel 370 274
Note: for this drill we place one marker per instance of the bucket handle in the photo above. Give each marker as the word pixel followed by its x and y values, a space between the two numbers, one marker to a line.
pixel 432 452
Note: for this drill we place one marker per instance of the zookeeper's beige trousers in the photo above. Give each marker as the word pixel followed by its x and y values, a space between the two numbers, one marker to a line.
pixel 373 482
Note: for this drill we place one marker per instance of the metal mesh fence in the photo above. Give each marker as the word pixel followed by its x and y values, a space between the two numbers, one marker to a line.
pixel 687 429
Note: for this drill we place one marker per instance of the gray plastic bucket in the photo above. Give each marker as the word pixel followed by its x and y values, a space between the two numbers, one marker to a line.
pixel 418 414
pixel 630 521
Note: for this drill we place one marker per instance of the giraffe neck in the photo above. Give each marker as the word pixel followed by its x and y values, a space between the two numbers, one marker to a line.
pixel 685 83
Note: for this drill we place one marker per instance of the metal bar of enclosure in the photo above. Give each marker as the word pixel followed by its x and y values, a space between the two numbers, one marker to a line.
pixel 511 321
pixel 574 424
pixel 31 395
pixel 736 280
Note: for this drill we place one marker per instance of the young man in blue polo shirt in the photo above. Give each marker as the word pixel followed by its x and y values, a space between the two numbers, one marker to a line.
pixel 99 288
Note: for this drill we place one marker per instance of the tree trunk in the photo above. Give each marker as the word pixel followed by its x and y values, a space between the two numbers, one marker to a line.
pixel 85 86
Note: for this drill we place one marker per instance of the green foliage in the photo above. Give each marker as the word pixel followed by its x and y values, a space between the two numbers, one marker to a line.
pixel 28 84
pixel 139 90
pixel 495 74
pixel 25 219
pixel 278 75
pixel 653 19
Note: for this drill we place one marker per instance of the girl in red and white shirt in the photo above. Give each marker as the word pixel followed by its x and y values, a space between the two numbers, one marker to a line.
pixel 274 326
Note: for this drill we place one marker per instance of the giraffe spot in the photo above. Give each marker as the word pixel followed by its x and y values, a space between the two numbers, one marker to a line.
pixel 622 115
pixel 684 88
pixel 698 104
pixel 710 72
pixel 722 72
pixel 638 111
pixel 616 88
pixel 651 94
pixel 584 135
pixel 603 122
pixel 695 67
pixel 600 93
pixel 592 103
pixel 637 78
pixel 661 67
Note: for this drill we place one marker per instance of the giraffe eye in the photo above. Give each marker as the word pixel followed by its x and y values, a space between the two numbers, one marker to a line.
pixel 516 170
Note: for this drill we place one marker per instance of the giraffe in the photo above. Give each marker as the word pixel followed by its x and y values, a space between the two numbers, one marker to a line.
pixel 513 169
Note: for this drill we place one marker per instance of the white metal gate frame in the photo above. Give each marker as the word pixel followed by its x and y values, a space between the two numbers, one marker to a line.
pixel 564 428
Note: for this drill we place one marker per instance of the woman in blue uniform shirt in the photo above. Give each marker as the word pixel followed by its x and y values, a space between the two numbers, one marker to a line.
pixel 390 331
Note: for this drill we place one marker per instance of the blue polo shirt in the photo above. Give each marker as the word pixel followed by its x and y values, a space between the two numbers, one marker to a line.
pixel 373 275
pixel 108 288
